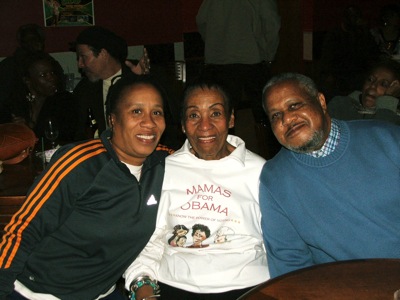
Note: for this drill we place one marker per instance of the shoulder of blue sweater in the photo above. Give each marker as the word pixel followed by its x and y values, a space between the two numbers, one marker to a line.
pixel 373 129
pixel 281 156
pixel 370 123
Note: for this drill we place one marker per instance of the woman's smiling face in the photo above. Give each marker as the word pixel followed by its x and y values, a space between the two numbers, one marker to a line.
pixel 206 123
pixel 138 123
pixel 376 85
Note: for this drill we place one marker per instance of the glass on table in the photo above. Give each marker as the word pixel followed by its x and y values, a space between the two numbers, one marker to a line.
pixel 69 82
pixel 51 131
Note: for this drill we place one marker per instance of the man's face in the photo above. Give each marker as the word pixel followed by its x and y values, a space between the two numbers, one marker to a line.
pixel 299 123
pixel 92 65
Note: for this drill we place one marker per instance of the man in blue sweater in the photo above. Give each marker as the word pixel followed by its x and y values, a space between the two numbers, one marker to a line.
pixel 333 192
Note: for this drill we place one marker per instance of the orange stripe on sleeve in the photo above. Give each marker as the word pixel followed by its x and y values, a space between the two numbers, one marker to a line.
pixel 161 147
pixel 55 168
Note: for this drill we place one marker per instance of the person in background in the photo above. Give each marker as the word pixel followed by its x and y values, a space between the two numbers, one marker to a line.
pixel 93 209
pixel 43 97
pixel 387 33
pixel 347 51
pixel 241 40
pixel 210 184
pixel 333 191
pixel 31 39
pixel 378 98
pixel 101 57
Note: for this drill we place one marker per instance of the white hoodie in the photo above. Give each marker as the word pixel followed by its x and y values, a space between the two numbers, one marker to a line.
pixel 221 196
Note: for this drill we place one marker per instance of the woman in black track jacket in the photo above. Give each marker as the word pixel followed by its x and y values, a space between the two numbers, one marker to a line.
pixel 93 209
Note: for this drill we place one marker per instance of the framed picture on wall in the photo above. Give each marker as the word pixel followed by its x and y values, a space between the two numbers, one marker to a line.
pixel 61 13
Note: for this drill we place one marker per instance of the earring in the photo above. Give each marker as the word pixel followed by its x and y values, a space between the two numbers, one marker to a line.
pixel 31 98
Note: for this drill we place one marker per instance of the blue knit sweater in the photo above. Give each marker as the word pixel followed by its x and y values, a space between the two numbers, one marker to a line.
pixel 342 206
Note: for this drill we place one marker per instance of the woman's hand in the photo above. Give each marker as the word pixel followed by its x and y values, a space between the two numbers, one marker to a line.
pixel 144 291
pixel 394 89
pixel 388 102
pixel 143 66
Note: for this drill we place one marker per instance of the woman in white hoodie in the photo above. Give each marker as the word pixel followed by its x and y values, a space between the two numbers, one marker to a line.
pixel 210 185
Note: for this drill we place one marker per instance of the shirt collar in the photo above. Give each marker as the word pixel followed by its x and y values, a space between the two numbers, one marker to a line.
pixel 331 142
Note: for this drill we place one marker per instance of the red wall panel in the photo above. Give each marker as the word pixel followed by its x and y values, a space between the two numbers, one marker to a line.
pixel 190 9
pixel 138 21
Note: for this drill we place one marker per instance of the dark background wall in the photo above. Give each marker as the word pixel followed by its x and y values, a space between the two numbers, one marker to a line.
pixel 317 17
pixel 327 13
pixel 152 22
pixel 140 22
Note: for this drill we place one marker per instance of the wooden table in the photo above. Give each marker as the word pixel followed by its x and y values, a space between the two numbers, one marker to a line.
pixel 15 181
pixel 348 280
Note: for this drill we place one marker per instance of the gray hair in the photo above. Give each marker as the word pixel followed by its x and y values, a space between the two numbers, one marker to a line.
pixel 304 82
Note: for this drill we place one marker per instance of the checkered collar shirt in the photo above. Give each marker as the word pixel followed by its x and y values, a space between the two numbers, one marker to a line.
pixel 331 142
